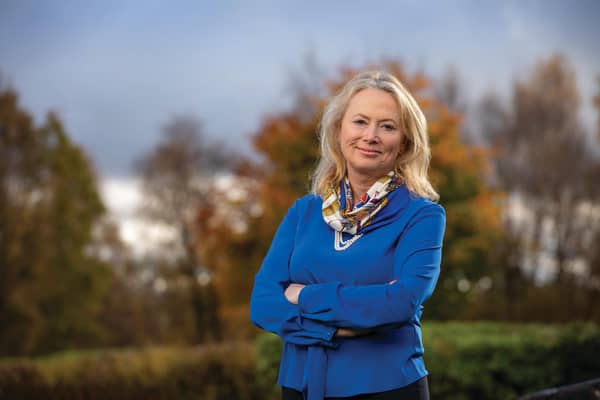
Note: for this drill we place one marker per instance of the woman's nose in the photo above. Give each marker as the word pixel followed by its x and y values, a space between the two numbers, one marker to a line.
pixel 370 133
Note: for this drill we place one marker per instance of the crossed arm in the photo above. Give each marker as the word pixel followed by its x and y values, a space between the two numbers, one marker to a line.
pixel 315 313
pixel 293 292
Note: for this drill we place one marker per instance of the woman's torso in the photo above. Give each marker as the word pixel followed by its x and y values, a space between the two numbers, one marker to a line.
pixel 384 360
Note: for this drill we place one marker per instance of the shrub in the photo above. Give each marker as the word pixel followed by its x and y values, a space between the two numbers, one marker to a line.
pixel 488 360
pixel 220 372
pixel 465 361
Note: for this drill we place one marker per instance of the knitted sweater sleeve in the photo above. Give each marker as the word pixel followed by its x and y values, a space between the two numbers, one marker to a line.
pixel 416 266
pixel 269 308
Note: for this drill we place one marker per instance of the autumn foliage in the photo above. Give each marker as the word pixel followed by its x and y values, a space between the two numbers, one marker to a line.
pixel 289 145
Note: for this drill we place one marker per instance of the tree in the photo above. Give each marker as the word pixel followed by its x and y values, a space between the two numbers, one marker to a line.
pixel 50 288
pixel 289 145
pixel 176 181
pixel 543 159
pixel 596 102
pixel 449 90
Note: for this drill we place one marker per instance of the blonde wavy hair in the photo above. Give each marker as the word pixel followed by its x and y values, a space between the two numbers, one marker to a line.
pixel 411 165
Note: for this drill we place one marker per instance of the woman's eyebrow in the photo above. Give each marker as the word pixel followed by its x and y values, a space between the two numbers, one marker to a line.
pixel 381 120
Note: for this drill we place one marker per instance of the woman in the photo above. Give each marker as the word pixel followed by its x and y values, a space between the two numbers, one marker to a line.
pixel 351 263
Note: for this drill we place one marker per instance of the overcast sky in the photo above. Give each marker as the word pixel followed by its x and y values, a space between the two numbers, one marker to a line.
pixel 116 71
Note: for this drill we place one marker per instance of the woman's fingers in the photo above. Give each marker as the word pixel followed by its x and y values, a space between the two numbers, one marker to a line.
pixel 293 292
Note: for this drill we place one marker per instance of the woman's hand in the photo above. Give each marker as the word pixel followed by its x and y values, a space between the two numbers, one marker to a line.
pixel 293 292
pixel 348 332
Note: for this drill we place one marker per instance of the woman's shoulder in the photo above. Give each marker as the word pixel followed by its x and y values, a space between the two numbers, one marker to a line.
pixel 307 202
pixel 421 204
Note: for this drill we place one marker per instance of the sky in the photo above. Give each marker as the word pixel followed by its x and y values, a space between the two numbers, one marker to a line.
pixel 118 71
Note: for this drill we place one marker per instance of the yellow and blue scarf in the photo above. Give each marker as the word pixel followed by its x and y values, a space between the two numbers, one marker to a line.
pixel 352 218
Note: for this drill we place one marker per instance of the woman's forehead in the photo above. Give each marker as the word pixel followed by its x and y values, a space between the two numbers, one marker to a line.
pixel 373 103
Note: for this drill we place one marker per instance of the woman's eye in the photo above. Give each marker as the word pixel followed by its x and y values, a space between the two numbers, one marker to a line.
pixel 360 122
pixel 389 127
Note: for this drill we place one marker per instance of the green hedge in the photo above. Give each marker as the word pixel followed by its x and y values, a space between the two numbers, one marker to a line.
pixel 465 361
pixel 222 372
pixel 486 360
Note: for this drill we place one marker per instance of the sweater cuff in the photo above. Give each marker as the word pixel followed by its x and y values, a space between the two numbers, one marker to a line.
pixel 319 329
pixel 317 298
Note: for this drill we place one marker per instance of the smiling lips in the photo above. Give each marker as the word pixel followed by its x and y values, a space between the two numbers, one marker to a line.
pixel 368 152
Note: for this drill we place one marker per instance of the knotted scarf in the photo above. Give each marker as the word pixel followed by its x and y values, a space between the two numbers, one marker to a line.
pixel 340 212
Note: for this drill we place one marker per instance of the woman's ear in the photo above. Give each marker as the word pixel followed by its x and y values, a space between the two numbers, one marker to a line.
pixel 405 143
pixel 338 129
pixel 402 146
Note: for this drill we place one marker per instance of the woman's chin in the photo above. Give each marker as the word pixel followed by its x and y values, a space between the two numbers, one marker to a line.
pixel 369 169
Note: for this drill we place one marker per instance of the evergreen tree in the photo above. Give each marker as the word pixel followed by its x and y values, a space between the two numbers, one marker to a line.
pixel 50 287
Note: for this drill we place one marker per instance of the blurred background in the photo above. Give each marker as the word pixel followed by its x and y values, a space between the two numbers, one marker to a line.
pixel 148 151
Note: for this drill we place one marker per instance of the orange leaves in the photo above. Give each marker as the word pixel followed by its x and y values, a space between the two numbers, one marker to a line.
pixel 289 148
pixel 286 139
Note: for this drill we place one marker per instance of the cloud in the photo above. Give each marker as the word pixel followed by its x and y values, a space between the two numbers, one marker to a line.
pixel 116 72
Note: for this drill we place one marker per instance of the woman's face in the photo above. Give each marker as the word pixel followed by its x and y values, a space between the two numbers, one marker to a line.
pixel 370 137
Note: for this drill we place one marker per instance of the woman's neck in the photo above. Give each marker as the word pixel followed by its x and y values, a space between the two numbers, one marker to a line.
pixel 360 184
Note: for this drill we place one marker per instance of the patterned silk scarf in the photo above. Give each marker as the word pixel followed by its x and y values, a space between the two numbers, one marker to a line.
pixel 352 218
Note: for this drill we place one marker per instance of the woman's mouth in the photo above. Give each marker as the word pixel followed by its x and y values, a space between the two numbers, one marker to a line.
pixel 368 152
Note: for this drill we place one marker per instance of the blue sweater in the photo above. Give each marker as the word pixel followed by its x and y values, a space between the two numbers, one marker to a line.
pixel 351 289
